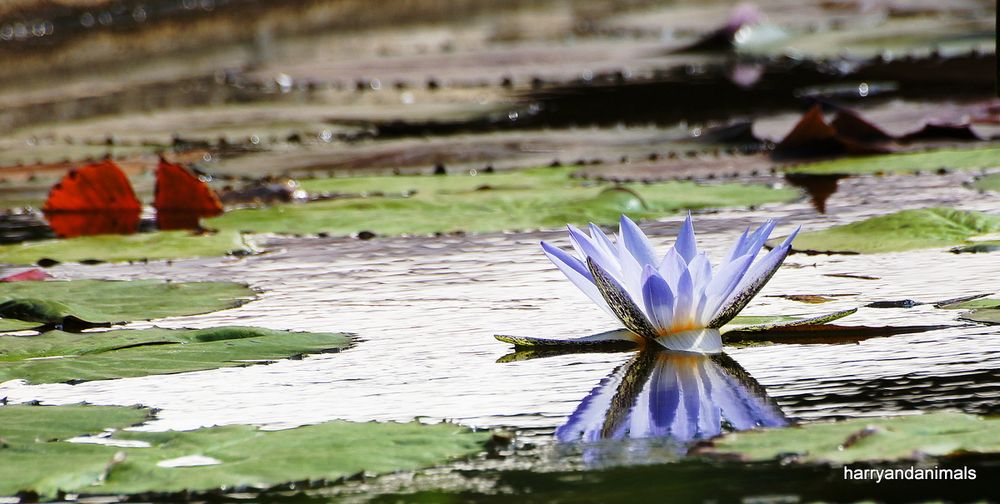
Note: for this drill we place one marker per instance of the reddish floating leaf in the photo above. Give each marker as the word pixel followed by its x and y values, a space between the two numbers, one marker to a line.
pixel 811 136
pixel 850 125
pixel 95 199
pixel 942 131
pixel 28 275
pixel 99 186
pixel 182 198
pixel 98 222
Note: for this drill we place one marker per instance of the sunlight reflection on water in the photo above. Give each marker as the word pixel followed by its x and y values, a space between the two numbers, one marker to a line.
pixel 425 310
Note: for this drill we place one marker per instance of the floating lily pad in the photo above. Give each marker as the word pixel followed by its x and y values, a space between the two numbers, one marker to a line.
pixel 113 301
pixel 134 247
pixel 971 304
pixel 980 309
pixel 900 231
pixel 910 162
pixel 527 199
pixel 983 315
pixel 58 356
pixel 980 247
pixel 868 439
pixel 37 458
pixel 740 329
pixel 988 183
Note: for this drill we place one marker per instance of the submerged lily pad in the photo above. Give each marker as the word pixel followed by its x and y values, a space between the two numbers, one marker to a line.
pixel 526 199
pixel 900 231
pixel 910 162
pixel 134 247
pixel 58 356
pixel 868 439
pixel 37 458
pixel 112 301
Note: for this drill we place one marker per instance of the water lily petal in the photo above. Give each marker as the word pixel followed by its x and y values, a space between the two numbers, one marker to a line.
pixel 725 281
pixel 759 237
pixel 701 274
pixel 685 244
pixel 751 243
pixel 753 282
pixel 739 248
pixel 631 273
pixel 586 247
pixel 577 273
pixel 636 242
pixel 698 341
pixel 657 298
pixel 684 303
pixel 672 267
pixel 602 240
pixel 621 302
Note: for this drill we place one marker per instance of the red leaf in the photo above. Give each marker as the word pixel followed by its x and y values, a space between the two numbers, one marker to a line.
pixel 95 199
pixel 851 125
pixel 28 275
pixel 811 136
pixel 99 186
pixel 182 198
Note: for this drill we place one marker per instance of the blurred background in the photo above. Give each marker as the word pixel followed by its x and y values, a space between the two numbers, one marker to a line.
pixel 254 95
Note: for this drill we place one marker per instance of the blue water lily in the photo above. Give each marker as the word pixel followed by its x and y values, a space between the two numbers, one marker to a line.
pixel 675 300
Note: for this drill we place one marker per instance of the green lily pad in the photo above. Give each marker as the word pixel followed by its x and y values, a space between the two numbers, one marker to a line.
pixel 526 199
pixel 134 247
pixel 906 230
pixel 868 439
pixel 58 356
pixel 988 183
pixel 982 310
pixel 779 323
pixel 113 301
pixel 973 304
pixel 37 458
pixel 982 315
pixel 909 162
pixel 979 247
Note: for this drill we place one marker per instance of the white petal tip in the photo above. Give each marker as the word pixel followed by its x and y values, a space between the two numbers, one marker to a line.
pixel 695 341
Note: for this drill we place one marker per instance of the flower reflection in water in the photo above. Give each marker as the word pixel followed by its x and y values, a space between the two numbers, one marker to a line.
pixel 678 396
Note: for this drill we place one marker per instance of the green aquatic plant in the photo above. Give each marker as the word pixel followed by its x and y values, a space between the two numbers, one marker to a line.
pixel 58 356
pixel 52 449
pixel 101 302
pixel 901 231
